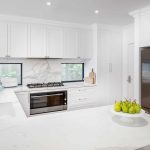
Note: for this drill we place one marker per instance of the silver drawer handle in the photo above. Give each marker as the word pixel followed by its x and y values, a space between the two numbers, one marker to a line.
pixel 82 99
pixel 46 95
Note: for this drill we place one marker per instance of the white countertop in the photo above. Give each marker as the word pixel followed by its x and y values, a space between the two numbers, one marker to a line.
pixel 87 129
pixel 66 86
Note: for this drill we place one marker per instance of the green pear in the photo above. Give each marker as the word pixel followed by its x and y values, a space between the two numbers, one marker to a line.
pixel 117 106
pixel 124 108
pixel 137 108
pixel 132 110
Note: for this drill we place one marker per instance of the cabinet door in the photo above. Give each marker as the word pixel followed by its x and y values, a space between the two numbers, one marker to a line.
pixel 18 40
pixel 37 41
pixel 115 70
pixel 81 97
pixel 110 65
pixel 70 43
pixel 54 42
pixel 85 43
pixel 3 39
pixel 102 66
pixel 145 30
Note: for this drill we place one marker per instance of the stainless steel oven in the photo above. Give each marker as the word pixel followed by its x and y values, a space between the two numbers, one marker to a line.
pixel 48 102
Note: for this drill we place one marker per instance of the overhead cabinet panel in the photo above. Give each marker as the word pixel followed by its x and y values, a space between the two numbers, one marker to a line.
pixel 37 41
pixel 18 40
pixel 145 30
pixel 85 43
pixel 3 39
pixel 54 42
pixel 70 43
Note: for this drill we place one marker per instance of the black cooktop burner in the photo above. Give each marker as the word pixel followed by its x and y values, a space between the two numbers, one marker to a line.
pixel 49 84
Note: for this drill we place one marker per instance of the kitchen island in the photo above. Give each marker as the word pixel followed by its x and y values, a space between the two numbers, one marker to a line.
pixel 86 129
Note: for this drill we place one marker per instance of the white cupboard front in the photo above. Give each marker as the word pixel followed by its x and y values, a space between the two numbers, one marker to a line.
pixel 82 97
pixel 37 41
pixel 145 30
pixel 109 73
pixel 3 39
pixel 70 43
pixel 18 40
pixel 85 43
pixel 54 42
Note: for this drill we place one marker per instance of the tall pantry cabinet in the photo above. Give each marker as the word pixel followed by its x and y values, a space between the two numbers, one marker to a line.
pixel 109 63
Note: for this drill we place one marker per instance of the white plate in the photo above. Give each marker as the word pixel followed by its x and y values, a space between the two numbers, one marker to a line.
pixel 127 114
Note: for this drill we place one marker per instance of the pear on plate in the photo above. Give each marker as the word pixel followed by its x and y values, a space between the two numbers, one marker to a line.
pixel 132 110
pixel 137 108
pixel 125 108
pixel 117 106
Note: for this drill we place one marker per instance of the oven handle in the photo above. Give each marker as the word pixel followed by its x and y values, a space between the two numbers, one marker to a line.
pixel 46 95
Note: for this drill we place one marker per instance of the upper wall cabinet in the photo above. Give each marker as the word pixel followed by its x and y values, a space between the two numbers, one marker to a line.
pixel 54 42
pixel 70 43
pixel 85 43
pixel 23 39
pixel 37 41
pixel 18 40
pixel 142 26
pixel 3 39
pixel 145 30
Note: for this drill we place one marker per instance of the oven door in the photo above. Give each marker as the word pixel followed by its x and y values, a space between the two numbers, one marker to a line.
pixel 49 101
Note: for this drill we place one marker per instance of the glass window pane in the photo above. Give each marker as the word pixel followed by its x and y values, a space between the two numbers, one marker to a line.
pixel 72 72
pixel 11 70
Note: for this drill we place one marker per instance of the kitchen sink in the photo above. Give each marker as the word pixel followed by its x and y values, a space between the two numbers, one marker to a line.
pixel 6 110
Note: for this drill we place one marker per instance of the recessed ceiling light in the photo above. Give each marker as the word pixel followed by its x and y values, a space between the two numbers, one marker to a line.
pixel 96 11
pixel 48 3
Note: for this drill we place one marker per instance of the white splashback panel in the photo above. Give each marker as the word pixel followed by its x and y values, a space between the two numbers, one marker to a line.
pixel 38 70
pixel 41 70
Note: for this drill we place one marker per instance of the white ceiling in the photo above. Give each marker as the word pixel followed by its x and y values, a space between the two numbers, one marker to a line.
pixel 79 11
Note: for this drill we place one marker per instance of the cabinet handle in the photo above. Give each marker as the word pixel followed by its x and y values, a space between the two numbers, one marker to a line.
pixel 82 99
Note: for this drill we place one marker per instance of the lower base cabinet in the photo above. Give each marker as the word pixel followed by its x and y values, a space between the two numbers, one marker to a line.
pixel 82 97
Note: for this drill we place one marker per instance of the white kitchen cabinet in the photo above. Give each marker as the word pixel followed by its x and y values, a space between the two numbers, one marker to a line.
pixel 145 30
pixel 24 99
pixel 109 72
pixel 18 40
pixel 3 39
pixel 85 43
pixel 54 42
pixel 37 41
pixel 141 39
pixel 82 97
pixel 70 43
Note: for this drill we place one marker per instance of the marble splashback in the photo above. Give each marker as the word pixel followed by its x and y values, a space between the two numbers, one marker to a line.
pixel 40 70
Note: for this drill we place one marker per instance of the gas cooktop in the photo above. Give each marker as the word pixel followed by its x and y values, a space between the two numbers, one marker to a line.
pixel 42 85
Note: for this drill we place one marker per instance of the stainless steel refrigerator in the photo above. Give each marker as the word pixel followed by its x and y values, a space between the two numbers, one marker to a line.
pixel 145 77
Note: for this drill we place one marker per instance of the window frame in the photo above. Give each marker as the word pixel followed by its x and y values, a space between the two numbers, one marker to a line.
pixel 82 74
pixel 20 70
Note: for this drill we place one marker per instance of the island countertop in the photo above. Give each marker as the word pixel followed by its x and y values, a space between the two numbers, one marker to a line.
pixel 86 129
